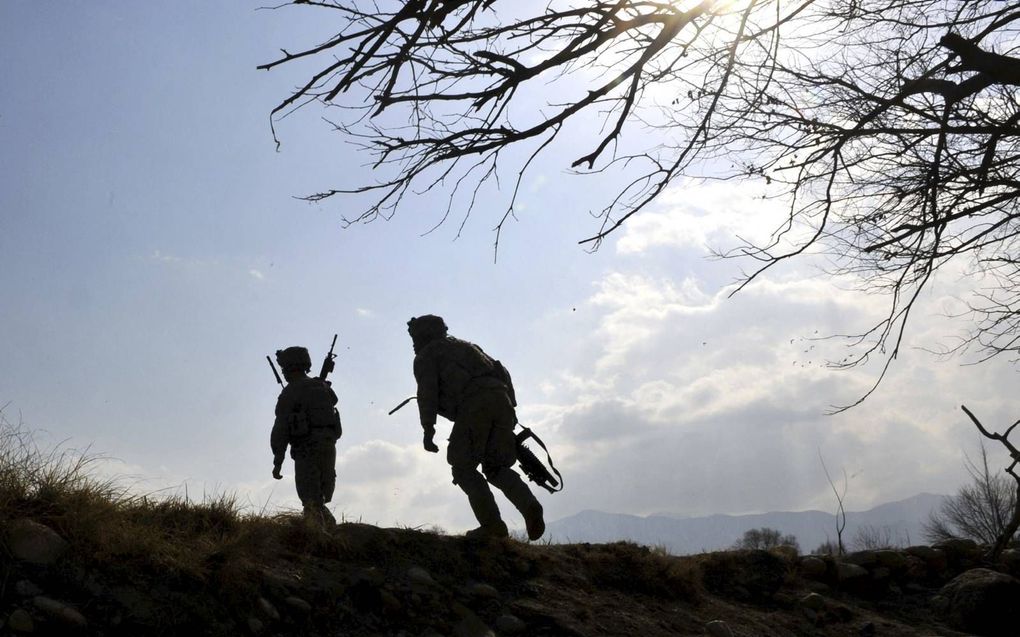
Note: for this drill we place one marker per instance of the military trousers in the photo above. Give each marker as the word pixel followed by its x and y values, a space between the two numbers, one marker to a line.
pixel 483 435
pixel 314 470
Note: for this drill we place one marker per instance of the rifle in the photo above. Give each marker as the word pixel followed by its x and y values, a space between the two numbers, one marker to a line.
pixel 327 363
pixel 407 400
pixel 275 373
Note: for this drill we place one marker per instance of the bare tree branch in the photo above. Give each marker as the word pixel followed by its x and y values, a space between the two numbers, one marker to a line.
pixel 891 128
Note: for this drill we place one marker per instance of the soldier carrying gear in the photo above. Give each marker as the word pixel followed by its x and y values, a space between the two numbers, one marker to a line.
pixel 307 421
pixel 460 382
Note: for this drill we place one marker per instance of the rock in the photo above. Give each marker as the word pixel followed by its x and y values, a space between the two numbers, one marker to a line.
pixel 20 621
pixel 895 561
pixel 36 543
pixel 420 577
pixel 817 587
pixel 279 583
pixel 982 601
pixel 744 575
pixel 390 603
pixel 140 607
pixel 961 554
pixel 813 568
pixel 510 625
pixel 60 613
pixel 916 568
pixel 366 596
pixel 471 626
pixel 26 588
pixel 370 576
pixel 934 559
pixel 840 612
pixel 298 605
pixel 1010 559
pixel 268 609
pixel 814 601
pixel 718 628
pixel 862 558
pixel 256 626
pixel 482 591
pixel 958 545
pixel 846 572
pixel 364 539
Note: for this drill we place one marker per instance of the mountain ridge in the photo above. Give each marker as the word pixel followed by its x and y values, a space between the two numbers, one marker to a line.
pixel 899 522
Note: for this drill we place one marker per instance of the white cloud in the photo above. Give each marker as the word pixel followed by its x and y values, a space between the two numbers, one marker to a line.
pixel 255 274
pixel 692 402
pixel 699 215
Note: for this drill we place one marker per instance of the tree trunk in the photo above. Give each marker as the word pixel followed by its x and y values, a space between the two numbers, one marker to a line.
pixel 1009 530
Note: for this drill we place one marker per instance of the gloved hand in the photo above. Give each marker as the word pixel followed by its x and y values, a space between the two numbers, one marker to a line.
pixel 276 472
pixel 427 442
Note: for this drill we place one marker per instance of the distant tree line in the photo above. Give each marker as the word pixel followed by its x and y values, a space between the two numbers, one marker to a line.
pixel 764 539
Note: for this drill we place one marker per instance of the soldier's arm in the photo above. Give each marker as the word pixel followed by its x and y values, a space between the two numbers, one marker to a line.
pixel 426 373
pixel 280 436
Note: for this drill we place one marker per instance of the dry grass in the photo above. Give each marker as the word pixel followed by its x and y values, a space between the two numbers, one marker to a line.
pixel 630 567
pixel 109 524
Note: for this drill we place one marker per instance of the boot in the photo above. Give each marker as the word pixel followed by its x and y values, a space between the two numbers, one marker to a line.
pixel 319 516
pixel 496 529
pixel 509 482
pixel 534 520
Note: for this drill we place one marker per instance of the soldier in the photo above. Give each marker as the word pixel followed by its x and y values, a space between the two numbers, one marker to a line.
pixel 307 420
pixel 460 382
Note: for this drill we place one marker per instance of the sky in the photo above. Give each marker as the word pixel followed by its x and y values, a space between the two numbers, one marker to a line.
pixel 153 251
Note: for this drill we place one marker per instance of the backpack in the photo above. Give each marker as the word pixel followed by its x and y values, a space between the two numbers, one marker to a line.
pixel 503 375
pixel 315 410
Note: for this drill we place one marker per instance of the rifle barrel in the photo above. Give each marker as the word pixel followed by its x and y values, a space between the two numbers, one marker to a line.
pixel 275 373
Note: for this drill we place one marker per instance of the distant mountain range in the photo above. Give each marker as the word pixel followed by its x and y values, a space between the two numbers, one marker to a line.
pixel 899 522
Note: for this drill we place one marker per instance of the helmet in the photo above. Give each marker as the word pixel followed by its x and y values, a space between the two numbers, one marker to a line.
pixel 294 359
pixel 426 328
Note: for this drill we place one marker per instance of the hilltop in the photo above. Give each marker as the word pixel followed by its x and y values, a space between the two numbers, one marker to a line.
pixel 196 573
pixel 84 556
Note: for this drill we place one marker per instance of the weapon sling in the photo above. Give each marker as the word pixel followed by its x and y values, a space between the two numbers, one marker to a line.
pixel 526 433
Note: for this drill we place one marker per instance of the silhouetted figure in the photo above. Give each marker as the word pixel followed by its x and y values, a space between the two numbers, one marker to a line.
pixel 460 382
pixel 307 421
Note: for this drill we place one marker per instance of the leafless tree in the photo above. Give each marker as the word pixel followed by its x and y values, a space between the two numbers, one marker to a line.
pixel 828 547
pixel 890 127
pixel 987 510
pixel 870 537
pixel 765 539
pixel 840 506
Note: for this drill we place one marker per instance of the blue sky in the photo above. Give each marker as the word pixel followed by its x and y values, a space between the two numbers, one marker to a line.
pixel 152 252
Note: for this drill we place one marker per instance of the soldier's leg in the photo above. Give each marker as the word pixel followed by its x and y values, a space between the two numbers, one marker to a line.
pixel 500 456
pixel 483 504
pixel 516 490
pixel 327 470
pixel 326 458
pixel 306 477
pixel 464 463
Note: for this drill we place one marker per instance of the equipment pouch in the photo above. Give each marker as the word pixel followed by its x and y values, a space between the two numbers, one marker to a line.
pixel 299 424
pixel 504 376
